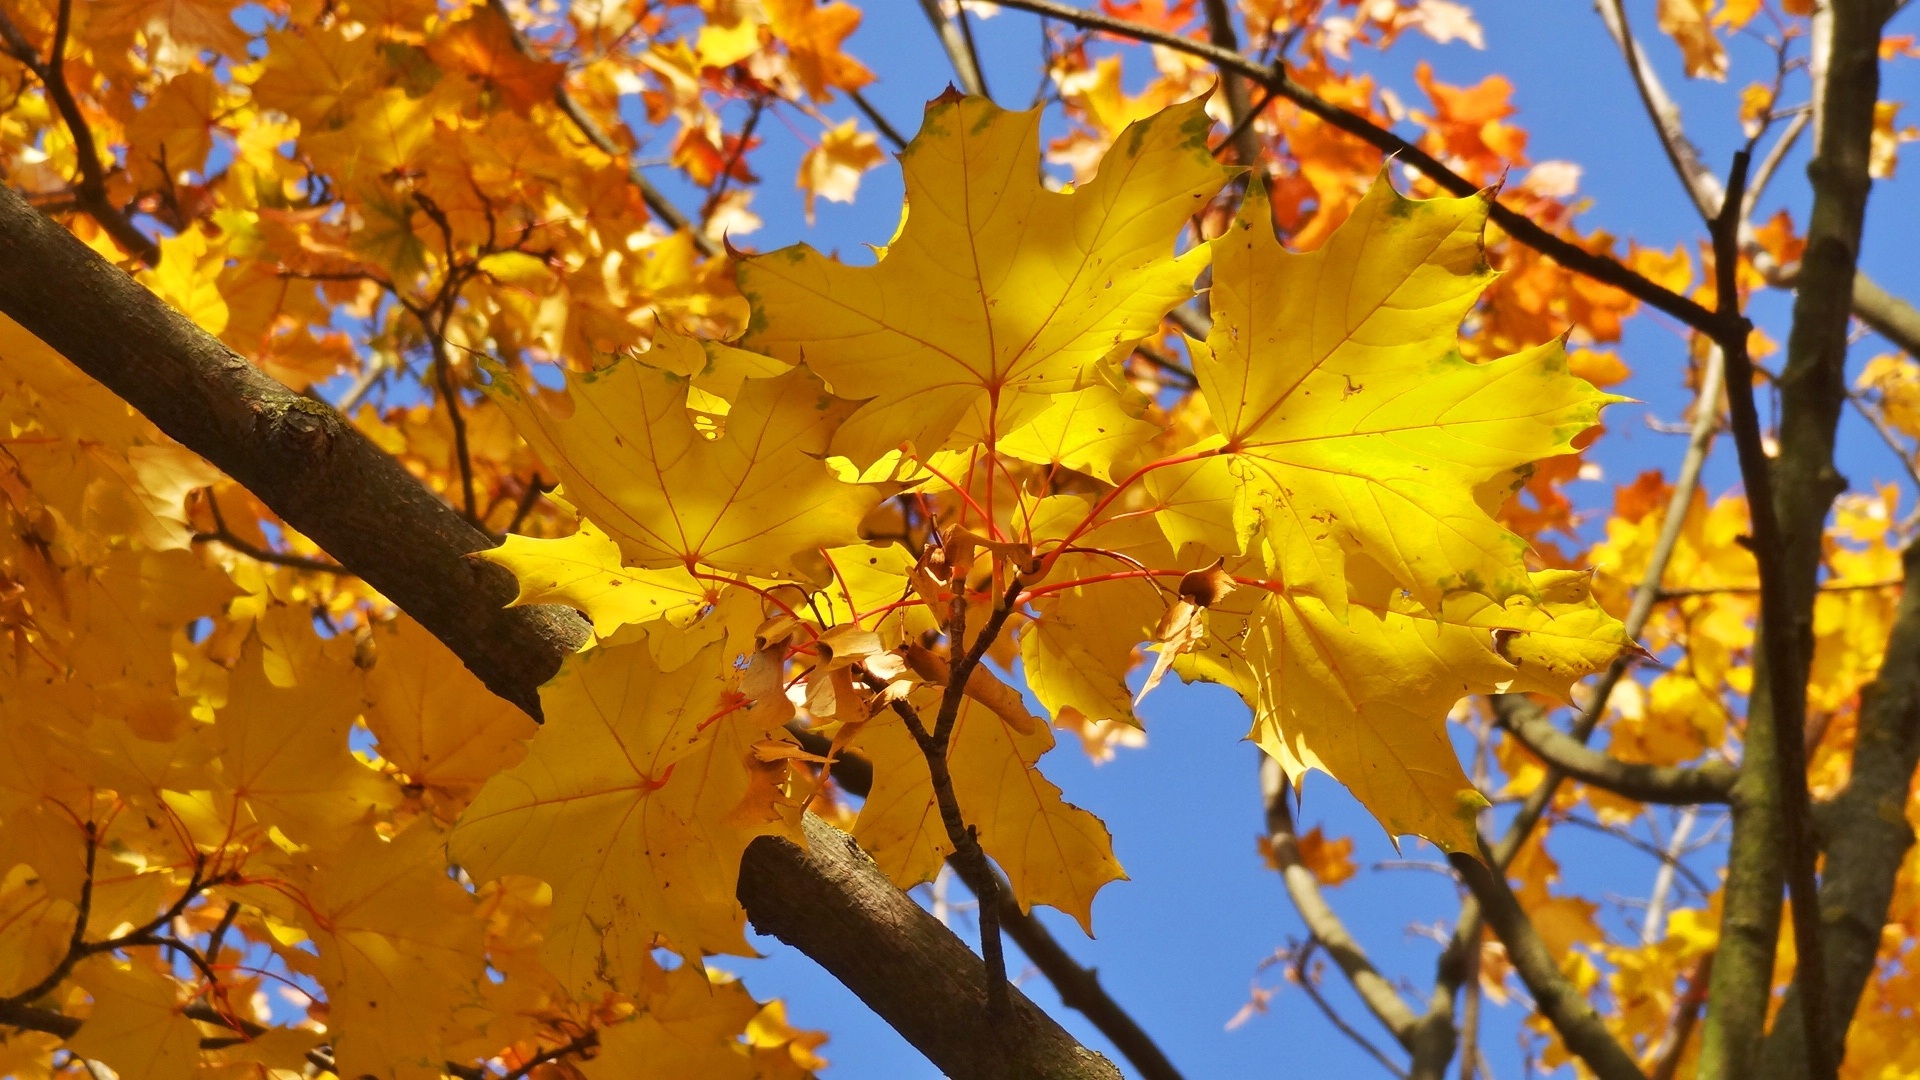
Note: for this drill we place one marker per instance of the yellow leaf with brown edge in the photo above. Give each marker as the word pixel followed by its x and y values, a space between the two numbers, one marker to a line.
pixel 1053 852
pixel 1348 420
pixel 749 501
pixel 635 803
pixel 995 292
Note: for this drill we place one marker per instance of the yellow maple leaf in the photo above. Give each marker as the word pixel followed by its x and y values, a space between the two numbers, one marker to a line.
pixel 137 1027
pixel 691 1027
pixel 187 278
pixel 584 572
pixel 1363 694
pixel 434 720
pixel 1348 419
pixel 749 501
pixel 995 289
pixel 831 170
pixel 630 805
pixel 283 751
pixel 400 952
pixel 1054 853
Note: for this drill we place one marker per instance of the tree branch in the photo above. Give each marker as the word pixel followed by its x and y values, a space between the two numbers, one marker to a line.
pixel 1323 924
pixel 1660 784
pixel 90 194
pixel 1865 844
pixel 325 479
pixel 1078 986
pixel 1434 1041
pixel 1601 268
pixel 1240 113
pixel 1554 995
pixel 1772 829
pixel 1804 483
pixel 957 40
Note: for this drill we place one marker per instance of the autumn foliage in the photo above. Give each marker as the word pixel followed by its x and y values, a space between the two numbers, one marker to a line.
pixel 1193 381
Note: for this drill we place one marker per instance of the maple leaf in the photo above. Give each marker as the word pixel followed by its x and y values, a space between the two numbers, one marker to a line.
pixel 1347 418
pixel 631 458
pixel 831 170
pixel 283 750
pixel 1054 853
pixel 584 572
pixel 434 721
pixel 481 45
pixel 399 952
pixel 1363 693
pixel 137 1027
pixel 995 288
pixel 633 805
pixel 690 1028
pixel 813 35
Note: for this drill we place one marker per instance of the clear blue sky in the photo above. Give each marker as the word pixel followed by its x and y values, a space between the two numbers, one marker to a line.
pixel 1180 943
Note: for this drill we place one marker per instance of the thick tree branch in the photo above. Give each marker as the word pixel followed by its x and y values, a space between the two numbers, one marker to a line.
pixel 1773 836
pixel 1601 268
pixel 1554 995
pixel 1804 483
pixel 1323 923
pixel 1866 837
pixel 1661 784
pixel 325 479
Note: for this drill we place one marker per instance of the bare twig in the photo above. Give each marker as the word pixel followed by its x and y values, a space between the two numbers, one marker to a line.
pixel 224 536
pixel 1303 977
pixel 1554 995
pixel 957 39
pixel 1323 923
pixel 878 120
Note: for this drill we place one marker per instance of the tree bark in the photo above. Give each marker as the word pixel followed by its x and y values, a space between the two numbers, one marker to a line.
pixel 325 479
pixel 1812 390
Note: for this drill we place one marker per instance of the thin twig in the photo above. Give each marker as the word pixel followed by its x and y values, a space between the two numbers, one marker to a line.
pixel 1303 977
pixel 958 43
pixel 226 538
pixel 878 120
pixel 1374 990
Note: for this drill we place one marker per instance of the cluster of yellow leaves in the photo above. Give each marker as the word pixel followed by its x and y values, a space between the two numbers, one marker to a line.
pixel 181 766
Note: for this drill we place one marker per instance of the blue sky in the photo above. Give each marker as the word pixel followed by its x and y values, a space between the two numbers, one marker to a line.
pixel 1180 943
